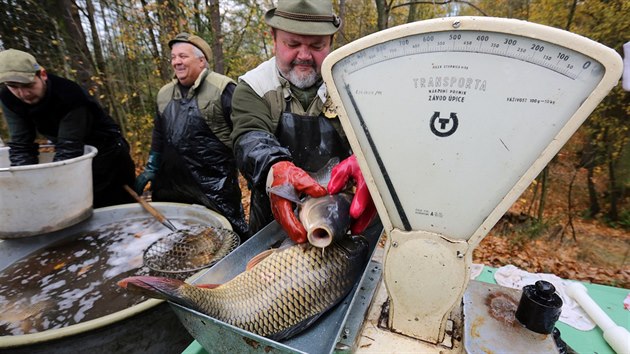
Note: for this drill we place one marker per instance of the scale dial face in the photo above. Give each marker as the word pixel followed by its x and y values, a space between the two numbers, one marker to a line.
pixel 455 117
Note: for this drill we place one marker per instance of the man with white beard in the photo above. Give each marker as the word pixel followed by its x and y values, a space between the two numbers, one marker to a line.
pixel 285 125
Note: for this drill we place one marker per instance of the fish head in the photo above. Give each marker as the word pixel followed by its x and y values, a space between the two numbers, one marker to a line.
pixel 326 218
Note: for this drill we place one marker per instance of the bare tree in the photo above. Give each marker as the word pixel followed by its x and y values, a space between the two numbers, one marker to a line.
pixel 66 12
pixel 217 37
pixel 382 11
pixel 342 16
pixel 160 60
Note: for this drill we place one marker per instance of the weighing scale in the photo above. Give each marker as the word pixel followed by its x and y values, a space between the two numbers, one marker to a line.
pixel 451 120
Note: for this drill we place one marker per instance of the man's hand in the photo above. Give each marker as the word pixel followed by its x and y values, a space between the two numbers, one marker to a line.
pixel 286 173
pixel 362 209
pixel 148 175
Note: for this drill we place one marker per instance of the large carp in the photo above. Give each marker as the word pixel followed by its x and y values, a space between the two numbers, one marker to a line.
pixel 282 292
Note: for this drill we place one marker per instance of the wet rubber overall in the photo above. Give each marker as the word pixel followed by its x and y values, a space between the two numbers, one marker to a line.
pixel 196 166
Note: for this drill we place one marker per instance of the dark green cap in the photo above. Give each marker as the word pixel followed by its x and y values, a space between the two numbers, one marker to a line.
pixel 306 17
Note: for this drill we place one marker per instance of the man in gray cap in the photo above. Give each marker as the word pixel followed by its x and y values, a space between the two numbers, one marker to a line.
pixel 284 125
pixel 191 159
pixel 34 101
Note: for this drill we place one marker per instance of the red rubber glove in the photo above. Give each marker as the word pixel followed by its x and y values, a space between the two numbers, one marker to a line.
pixel 285 172
pixel 362 209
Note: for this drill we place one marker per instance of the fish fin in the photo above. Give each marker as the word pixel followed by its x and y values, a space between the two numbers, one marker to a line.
pixel 296 329
pixel 259 258
pixel 287 243
pixel 156 287
pixel 279 242
pixel 207 286
pixel 285 191
pixel 322 176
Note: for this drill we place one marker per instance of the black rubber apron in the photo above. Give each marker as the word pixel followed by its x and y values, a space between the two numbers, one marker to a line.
pixel 196 166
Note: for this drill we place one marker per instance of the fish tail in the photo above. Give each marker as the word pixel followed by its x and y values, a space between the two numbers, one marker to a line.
pixel 156 287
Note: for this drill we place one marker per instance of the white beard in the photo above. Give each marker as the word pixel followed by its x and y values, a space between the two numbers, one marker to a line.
pixel 302 81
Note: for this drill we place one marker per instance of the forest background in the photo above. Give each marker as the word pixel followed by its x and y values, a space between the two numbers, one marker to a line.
pixel 573 221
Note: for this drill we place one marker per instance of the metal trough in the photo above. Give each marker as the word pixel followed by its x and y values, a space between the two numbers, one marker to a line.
pixel 328 332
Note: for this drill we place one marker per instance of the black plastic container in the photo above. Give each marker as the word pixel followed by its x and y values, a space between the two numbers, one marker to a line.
pixel 540 307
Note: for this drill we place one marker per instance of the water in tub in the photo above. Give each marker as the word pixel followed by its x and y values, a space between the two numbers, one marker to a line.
pixel 74 282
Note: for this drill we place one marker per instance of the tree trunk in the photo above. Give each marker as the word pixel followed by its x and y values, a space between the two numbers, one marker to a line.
pixel 570 208
pixel 382 13
pixel 340 37
pixel 571 15
pixel 594 207
pixel 613 212
pixel 101 67
pixel 412 16
pixel 543 194
pixel 160 60
pixel 217 38
pixel 197 23
pixel 588 157
pixel 613 192
pixel 122 83
pixel 168 19
pixel 72 31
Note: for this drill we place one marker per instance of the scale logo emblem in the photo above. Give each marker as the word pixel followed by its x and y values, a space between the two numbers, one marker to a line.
pixel 444 127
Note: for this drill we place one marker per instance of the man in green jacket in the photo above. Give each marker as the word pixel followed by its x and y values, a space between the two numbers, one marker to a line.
pixel 191 159
pixel 283 124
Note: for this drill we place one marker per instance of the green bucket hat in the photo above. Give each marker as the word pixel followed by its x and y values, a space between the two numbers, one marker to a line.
pixel 17 66
pixel 194 40
pixel 306 17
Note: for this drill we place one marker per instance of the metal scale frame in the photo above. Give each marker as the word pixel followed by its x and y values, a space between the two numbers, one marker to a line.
pixel 451 120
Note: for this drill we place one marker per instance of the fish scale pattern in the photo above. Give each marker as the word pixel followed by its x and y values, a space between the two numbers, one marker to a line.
pixel 281 293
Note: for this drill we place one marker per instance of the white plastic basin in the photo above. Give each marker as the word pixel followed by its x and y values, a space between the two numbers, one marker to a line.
pixel 46 197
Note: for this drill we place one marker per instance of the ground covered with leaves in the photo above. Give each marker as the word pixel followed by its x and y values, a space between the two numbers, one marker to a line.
pixel 586 249
pixel 599 254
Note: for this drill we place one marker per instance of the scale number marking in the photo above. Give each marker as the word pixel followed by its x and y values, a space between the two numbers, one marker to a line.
pixel 564 61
